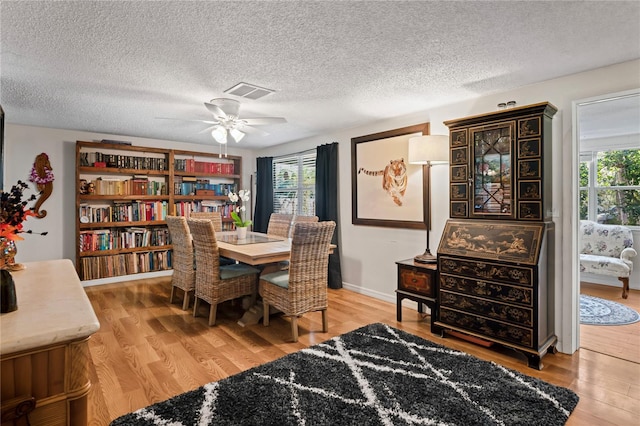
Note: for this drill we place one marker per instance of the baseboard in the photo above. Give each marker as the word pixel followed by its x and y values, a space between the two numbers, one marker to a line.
pixel 122 278
pixel 391 298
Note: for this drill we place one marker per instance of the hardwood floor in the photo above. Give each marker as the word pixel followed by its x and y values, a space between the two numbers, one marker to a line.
pixel 620 341
pixel 147 351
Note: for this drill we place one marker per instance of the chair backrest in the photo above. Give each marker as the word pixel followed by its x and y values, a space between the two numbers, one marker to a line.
pixel 214 217
pixel 604 240
pixel 182 243
pixel 309 260
pixel 302 218
pixel 206 247
pixel 279 224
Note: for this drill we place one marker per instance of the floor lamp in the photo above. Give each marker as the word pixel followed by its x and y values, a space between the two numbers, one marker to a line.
pixel 428 150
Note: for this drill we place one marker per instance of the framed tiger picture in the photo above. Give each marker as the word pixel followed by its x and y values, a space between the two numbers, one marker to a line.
pixel 386 189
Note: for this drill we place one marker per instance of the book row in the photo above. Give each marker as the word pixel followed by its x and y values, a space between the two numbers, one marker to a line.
pixel 136 186
pixel 99 159
pixel 215 168
pixel 114 239
pixel 185 208
pixel 124 212
pixel 124 264
pixel 201 187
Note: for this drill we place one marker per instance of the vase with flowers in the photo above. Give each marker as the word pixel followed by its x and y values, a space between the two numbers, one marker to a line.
pixel 13 212
pixel 241 225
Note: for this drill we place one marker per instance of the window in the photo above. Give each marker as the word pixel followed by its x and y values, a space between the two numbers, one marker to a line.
pixel 294 184
pixel 610 186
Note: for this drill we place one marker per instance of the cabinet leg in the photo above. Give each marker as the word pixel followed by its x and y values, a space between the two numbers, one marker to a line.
pixel 434 328
pixel 420 308
pixel 534 361
pixel 399 308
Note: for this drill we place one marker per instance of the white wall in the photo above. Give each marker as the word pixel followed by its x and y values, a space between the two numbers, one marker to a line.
pixel 368 253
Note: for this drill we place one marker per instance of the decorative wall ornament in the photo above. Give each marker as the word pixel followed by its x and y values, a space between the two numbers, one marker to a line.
pixel 42 176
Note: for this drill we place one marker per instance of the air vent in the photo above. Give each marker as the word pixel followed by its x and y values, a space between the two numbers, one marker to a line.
pixel 248 91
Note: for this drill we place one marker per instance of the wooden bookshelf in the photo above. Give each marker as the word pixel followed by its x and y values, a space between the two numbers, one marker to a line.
pixel 125 192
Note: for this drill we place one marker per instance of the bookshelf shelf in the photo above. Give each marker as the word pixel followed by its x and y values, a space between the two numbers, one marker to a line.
pixel 201 197
pixel 124 250
pixel 124 192
pixel 155 223
pixel 120 171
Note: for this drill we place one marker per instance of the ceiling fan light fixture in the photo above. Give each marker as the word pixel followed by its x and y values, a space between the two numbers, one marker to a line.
pixel 219 134
pixel 236 134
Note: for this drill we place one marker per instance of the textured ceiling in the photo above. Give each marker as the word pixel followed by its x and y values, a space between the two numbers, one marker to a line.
pixel 115 67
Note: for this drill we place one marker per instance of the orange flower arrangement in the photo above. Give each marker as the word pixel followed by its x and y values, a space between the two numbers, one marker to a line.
pixel 14 211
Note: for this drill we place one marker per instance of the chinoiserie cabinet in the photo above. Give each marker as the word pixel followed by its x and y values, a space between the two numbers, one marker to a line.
pixel 495 258
pixel 496 283
pixel 500 164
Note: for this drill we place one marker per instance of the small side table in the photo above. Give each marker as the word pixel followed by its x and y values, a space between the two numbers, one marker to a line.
pixel 417 282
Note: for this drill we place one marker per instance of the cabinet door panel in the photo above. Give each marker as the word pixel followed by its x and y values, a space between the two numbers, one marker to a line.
pixel 492 178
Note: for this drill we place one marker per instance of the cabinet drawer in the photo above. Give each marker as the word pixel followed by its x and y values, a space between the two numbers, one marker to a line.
pixel 417 281
pixel 489 328
pixel 500 272
pixel 487 308
pixel 490 290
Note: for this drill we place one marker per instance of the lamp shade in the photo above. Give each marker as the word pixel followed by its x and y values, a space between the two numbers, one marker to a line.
pixel 236 134
pixel 429 149
pixel 219 134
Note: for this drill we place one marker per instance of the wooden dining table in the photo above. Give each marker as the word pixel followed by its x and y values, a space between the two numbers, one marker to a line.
pixel 256 249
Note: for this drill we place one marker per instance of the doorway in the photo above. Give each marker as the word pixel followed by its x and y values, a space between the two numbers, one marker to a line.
pixel 607 122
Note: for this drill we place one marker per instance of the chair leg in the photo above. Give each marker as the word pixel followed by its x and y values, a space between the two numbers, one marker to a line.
pixel 185 300
pixel 265 313
pixel 625 286
pixel 195 307
pixel 294 327
pixel 325 321
pixel 173 292
pixel 212 314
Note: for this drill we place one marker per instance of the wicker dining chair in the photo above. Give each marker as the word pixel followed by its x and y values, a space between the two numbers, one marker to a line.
pixel 215 283
pixel 184 274
pixel 279 224
pixel 215 217
pixel 303 287
pixel 303 218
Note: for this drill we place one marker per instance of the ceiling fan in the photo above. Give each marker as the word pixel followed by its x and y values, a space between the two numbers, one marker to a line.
pixel 227 122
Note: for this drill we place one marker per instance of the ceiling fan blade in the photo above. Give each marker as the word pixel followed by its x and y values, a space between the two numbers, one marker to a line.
pixel 215 110
pixel 208 129
pixel 261 121
pixel 184 119
pixel 253 130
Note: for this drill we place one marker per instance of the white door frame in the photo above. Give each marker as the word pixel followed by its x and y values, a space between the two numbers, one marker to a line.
pixel 571 221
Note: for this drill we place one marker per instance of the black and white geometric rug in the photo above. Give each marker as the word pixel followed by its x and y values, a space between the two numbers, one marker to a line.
pixel 375 375
pixel 597 311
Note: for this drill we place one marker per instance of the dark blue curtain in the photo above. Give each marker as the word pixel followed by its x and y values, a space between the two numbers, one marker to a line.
pixel 264 193
pixel 327 202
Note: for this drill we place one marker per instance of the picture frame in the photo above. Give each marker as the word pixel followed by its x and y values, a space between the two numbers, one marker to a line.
pixel 379 198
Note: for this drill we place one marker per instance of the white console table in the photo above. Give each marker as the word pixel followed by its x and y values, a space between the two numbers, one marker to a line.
pixel 44 351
